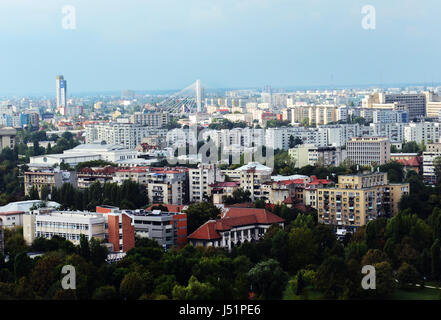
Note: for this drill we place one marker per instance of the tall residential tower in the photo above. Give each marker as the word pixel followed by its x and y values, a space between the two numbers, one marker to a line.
pixel 61 92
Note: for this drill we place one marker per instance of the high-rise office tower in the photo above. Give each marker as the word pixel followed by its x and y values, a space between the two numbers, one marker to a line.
pixel 61 92
pixel 199 95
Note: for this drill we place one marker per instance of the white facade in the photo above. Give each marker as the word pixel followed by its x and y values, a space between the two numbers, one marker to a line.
pixel 200 178
pixel 422 132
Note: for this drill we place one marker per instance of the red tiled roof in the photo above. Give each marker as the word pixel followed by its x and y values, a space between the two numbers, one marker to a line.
pixel 234 217
pixel 170 207
pixel 314 180
pixel 242 205
pixel 412 162
pixel 288 200
pixel 10 213
pixel 206 232
pixel 293 181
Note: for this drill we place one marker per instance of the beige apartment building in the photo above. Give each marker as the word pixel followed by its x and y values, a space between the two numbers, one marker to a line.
pixel 358 199
pixel 53 179
pixel 368 150
pixel 316 115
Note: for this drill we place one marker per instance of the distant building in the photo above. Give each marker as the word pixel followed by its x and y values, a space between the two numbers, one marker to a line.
pixel 169 229
pixel 127 134
pixel 7 137
pixel 368 150
pixel 61 92
pixel 307 154
pixel 416 103
pixel 151 119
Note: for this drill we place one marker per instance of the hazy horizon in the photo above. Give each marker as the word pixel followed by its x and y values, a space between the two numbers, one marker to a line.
pixel 167 45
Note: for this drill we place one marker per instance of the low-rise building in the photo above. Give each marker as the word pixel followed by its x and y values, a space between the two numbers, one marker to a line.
pixel 70 225
pixel 235 227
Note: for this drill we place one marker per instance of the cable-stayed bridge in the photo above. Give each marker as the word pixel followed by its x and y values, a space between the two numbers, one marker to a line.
pixel 188 100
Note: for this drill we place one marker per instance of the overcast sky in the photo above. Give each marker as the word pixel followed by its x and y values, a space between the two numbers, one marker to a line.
pixel 168 44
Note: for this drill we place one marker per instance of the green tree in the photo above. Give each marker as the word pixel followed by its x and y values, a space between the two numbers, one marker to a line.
pixel 107 292
pixel 195 290
pixel 407 275
pixel 198 214
pixel 33 193
pixel 436 262
pixel 268 279
pixel 132 286
pixel 84 249
pixel 331 277
pixel 45 192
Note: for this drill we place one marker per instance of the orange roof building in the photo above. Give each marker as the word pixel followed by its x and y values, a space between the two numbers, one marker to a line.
pixel 236 226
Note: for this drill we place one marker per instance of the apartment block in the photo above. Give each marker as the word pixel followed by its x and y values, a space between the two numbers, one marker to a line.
pixel 51 178
pixel 416 103
pixel 151 119
pixel 433 151
pixel 252 177
pixel 126 134
pixel 307 154
pixel 200 179
pixel 427 132
pixel 358 199
pixel 7 137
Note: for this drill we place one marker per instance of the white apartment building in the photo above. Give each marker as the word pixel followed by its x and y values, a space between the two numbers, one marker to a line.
pixel 180 137
pixel 279 138
pixel 200 179
pixel 338 134
pixel 433 150
pixel 126 134
pixel 151 119
pixel 252 177
pixel 426 132
pixel 393 131
pixel 308 154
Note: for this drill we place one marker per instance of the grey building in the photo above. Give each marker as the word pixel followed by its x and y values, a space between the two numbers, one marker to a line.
pixel 416 103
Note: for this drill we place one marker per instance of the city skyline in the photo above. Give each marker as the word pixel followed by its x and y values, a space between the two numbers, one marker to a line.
pixel 237 44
